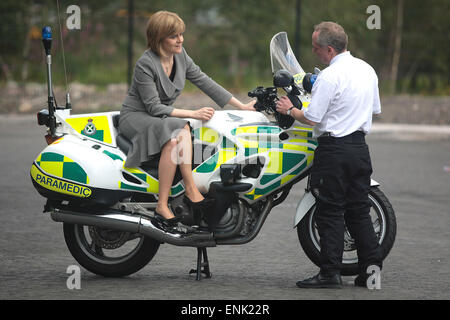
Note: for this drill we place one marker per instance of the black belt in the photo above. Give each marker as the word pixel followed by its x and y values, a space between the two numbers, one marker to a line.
pixel 357 136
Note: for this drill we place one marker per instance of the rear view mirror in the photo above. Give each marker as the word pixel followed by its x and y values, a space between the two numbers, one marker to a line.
pixel 283 79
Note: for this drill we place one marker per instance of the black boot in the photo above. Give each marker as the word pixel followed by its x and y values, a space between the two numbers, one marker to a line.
pixel 321 281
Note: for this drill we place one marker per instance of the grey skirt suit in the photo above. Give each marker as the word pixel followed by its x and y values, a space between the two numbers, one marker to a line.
pixel 144 117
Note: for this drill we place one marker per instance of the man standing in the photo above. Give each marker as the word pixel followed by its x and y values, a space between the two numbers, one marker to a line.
pixel 344 97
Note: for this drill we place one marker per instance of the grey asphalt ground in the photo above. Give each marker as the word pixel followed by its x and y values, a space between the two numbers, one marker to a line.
pixel 412 165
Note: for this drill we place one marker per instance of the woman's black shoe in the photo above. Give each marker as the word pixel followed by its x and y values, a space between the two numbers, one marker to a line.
pixel 206 203
pixel 200 208
pixel 172 225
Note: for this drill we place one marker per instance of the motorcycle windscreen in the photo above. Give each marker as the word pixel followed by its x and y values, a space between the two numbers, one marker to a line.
pixel 282 56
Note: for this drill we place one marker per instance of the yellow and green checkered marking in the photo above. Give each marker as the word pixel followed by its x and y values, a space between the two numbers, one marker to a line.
pixel 298 78
pixel 207 135
pixel 279 164
pixel 99 122
pixel 281 161
pixel 58 185
pixel 256 129
pixel 226 151
pixel 61 166
pixel 153 183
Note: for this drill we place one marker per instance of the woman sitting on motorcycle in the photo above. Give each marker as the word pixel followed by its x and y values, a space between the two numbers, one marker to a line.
pixel 153 125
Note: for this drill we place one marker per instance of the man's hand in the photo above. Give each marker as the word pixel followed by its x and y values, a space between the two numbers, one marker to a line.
pixel 284 104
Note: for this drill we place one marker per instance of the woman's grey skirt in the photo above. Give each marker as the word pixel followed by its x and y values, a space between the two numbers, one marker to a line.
pixel 147 134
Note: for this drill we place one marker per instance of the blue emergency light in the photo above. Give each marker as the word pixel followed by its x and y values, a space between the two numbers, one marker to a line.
pixel 46 33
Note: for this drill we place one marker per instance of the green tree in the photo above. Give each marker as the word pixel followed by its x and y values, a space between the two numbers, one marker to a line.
pixel 229 39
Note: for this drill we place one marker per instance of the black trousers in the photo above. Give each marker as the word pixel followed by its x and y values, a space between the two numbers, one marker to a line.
pixel 341 174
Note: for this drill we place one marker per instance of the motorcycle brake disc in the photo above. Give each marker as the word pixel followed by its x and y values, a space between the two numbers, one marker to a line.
pixel 108 239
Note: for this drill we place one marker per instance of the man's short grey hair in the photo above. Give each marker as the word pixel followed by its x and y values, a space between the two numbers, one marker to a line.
pixel 331 34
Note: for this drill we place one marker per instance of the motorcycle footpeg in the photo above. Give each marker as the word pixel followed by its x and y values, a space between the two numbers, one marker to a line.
pixel 177 228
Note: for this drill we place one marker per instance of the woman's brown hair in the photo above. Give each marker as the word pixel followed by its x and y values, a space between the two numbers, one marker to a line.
pixel 162 24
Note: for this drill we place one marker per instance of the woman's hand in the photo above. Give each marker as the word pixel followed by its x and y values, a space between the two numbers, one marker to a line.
pixel 249 106
pixel 203 114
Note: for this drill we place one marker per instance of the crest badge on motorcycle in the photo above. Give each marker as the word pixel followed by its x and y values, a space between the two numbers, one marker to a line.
pixel 90 128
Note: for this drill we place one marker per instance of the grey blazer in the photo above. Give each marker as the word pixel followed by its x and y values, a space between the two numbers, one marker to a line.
pixel 144 117
pixel 152 90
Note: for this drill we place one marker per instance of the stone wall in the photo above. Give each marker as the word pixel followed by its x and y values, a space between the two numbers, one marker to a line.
pixel 32 97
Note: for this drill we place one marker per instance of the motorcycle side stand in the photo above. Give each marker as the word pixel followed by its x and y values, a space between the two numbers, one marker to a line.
pixel 201 252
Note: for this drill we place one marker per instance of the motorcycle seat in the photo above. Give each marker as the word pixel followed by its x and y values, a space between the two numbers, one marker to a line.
pixel 123 143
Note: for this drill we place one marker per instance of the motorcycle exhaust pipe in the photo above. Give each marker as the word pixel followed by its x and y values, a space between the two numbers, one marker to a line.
pixel 134 224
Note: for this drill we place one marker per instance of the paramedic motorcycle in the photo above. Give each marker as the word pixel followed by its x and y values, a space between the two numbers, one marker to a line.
pixel 246 161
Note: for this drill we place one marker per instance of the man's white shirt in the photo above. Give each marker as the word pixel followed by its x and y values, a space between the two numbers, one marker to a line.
pixel 344 97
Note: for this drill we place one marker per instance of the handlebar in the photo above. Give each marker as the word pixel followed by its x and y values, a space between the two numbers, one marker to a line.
pixel 266 100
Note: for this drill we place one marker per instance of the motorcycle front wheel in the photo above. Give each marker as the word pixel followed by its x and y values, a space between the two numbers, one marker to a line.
pixel 384 223
pixel 109 253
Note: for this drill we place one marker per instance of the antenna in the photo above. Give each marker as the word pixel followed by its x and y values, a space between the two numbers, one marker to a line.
pixel 68 104
pixel 47 41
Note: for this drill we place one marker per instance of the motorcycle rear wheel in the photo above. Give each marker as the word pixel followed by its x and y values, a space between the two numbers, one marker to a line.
pixel 384 222
pixel 109 253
